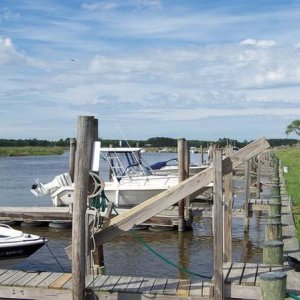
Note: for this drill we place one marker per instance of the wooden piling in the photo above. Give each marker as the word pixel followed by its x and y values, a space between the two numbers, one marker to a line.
pixel 228 211
pixel 274 209
pixel 72 158
pixel 181 177
pixel 247 194
pixel 273 231
pixel 202 154
pixel 273 252
pixel 258 175
pixel 273 285
pixel 82 168
pixel 187 159
pixel 218 225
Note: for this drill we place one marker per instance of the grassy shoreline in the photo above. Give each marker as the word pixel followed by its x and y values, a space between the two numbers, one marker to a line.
pixel 30 151
pixel 290 158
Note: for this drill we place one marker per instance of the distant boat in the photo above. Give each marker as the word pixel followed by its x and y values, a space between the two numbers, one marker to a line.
pixel 164 150
pixel 14 244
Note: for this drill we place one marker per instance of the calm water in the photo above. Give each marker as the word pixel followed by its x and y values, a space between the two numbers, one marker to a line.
pixel 125 255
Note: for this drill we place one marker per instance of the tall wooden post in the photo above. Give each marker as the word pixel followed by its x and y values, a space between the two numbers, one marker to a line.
pixel 228 211
pixel 258 175
pixel 72 158
pixel 218 226
pixel 202 156
pixel 247 193
pixel 83 161
pixel 187 160
pixel 181 177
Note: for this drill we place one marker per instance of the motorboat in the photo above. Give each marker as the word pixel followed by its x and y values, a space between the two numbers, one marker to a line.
pixel 132 180
pixel 15 244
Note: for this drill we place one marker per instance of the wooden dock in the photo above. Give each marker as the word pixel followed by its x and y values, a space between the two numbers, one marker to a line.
pixel 46 285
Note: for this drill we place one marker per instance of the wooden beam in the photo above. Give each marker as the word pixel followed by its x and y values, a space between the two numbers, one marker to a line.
pixel 218 226
pixel 72 158
pixel 247 193
pixel 82 169
pixel 158 203
pixel 228 211
pixel 181 177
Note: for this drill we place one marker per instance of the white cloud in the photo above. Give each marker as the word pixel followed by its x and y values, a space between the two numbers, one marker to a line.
pixel 100 6
pixel 8 15
pixel 259 43
pixel 8 54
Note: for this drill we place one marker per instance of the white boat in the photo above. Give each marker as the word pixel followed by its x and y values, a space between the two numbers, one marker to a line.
pixel 15 244
pixel 132 180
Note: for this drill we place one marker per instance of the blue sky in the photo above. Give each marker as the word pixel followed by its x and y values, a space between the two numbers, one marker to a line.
pixel 196 69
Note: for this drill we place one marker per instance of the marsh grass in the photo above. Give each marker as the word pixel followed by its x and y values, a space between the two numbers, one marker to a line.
pixel 291 158
pixel 28 151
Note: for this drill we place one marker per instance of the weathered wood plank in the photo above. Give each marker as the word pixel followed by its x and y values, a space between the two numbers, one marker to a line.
pixel 196 287
pixel 262 268
pixel 98 282
pixel 122 284
pixel 37 279
pixel 50 279
pixel 159 286
pixel 171 286
pixel 235 274
pixel 35 213
pixel 29 276
pixel 134 284
pixel 249 275
pixel 11 280
pixel 6 275
pixel 110 283
pixel 146 285
pixel 183 289
pixel 60 281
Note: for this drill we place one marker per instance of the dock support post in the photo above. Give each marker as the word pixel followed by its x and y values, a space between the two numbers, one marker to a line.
pixel 202 156
pixel 273 285
pixel 72 158
pixel 273 252
pixel 247 194
pixel 228 211
pixel 218 226
pixel 82 169
pixel 258 176
pixel 181 177
pixel 187 160
pixel 273 231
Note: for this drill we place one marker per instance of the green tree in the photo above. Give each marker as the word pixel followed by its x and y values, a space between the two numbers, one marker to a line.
pixel 293 127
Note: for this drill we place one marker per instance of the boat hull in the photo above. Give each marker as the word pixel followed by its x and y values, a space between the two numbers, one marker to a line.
pixel 20 250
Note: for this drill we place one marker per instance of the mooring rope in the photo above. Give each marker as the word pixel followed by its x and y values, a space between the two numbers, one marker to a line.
pixel 177 266
pixel 147 246
pixel 55 257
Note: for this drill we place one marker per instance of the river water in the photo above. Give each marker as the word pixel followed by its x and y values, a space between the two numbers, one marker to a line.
pixel 126 255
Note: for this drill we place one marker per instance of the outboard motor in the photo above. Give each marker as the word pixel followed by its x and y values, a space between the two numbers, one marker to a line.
pixel 49 188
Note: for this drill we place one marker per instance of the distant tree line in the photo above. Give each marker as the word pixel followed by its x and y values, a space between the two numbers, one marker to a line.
pixel 33 143
pixel 151 142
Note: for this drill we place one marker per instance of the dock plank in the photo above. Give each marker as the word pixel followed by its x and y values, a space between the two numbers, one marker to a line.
pixel 110 283
pixel 49 280
pixel 6 275
pixel 159 286
pixel 134 285
pixel 235 274
pixel 60 281
pixel 171 286
pixel 146 285
pixel 196 287
pixel 29 276
pixel 37 279
pixel 11 280
pixel 183 289
pixel 98 281
pixel 122 284
pixel 249 275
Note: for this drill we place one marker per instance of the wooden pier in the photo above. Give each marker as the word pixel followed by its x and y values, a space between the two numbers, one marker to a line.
pixel 234 280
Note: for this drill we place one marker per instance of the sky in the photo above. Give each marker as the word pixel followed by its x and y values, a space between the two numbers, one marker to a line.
pixel 194 69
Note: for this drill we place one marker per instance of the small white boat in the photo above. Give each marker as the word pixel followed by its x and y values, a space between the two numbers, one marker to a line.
pixel 15 244
pixel 132 180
